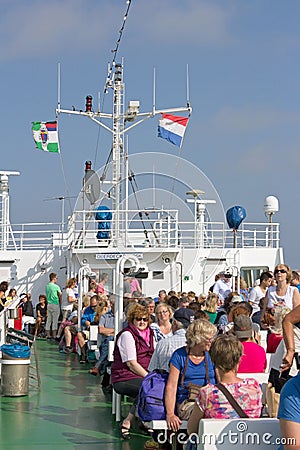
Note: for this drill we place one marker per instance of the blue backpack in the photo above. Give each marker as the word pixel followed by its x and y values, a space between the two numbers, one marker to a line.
pixel 151 396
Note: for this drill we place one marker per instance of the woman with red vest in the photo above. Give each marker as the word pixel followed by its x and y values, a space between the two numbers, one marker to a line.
pixel 133 350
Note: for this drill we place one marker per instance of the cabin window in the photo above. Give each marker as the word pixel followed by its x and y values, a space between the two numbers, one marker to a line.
pixel 157 275
pixel 251 274
pixel 109 284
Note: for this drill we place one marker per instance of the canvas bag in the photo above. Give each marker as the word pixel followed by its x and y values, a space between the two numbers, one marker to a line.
pixel 272 399
pixel 151 396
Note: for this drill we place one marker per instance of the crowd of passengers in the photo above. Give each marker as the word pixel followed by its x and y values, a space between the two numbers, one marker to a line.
pixel 203 342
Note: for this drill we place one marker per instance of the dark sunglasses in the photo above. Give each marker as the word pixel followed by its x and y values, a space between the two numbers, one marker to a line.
pixel 140 319
pixel 280 271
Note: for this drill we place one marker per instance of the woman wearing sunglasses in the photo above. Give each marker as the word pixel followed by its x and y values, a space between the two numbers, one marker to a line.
pixel 133 350
pixel 283 294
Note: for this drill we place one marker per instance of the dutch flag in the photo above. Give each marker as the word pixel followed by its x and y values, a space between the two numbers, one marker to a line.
pixel 172 128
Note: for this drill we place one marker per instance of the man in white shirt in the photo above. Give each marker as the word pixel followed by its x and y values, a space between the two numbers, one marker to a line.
pixel 223 286
pixel 257 293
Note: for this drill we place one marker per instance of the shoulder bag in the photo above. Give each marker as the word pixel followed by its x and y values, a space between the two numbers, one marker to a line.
pixel 232 401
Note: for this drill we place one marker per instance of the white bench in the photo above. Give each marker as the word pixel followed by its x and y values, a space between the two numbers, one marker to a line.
pixel 93 338
pixel 224 434
pixel 262 378
pixel 249 434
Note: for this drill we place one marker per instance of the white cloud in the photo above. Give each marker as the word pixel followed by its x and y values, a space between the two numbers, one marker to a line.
pixel 190 22
pixel 40 27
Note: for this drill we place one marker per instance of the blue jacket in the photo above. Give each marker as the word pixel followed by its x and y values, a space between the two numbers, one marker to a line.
pixel 89 314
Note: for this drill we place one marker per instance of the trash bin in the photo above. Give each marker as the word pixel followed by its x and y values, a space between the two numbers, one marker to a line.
pixel 15 370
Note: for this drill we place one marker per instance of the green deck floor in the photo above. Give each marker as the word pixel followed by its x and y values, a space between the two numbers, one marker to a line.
pixel 71 411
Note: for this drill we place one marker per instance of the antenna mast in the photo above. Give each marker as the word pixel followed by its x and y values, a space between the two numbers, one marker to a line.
pixel 120 119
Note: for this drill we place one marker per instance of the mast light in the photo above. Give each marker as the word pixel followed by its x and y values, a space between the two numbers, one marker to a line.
pixel 88 103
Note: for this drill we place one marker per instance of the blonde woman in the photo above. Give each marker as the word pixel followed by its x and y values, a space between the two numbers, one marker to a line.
pixel 189 364
pixel 283 294
pixel 210 307
pixel 69 298
pixel 162 328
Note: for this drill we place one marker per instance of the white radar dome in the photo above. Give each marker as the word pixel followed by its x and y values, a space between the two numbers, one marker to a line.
pixel 271 205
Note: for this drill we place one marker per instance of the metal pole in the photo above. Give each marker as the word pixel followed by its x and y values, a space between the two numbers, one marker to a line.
pixel 82 272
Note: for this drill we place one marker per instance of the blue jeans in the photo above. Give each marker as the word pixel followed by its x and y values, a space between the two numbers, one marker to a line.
pixel 102 362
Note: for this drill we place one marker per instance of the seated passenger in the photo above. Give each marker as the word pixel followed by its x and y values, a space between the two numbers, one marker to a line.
pixel 183 301
pixel 106 329
pixel 254 359
pixel 162 327
pixel 70 330
pixel 12 295
pixel 3 289
pixel 210 307
pixel 149 303
pixel 133 350
pixel 27 312
pixel 226 352
pixel 245 309
pixel 189 364
pixel 87 320
pixel 41 313
pixel 165 348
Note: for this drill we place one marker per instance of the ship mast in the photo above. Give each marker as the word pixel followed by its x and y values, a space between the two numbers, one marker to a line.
pixel 119 118
pixel 118 151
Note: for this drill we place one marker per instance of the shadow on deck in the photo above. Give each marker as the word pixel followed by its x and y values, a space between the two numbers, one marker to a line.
pixel 71 411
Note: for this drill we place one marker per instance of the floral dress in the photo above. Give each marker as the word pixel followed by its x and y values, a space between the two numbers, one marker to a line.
pixel 213 403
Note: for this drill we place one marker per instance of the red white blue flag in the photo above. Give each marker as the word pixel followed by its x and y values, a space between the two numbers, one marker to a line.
pixel 172 128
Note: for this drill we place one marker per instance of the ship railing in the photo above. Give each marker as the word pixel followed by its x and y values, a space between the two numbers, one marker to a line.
pixel 36 236
pixel 136 228
pixel 161 228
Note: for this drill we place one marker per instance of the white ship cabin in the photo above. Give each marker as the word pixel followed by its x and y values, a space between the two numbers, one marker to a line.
pixel 168 252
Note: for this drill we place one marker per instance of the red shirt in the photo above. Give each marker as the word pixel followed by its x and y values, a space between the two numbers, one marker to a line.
pixel 100 289
pixel 254 359
pixel 273 341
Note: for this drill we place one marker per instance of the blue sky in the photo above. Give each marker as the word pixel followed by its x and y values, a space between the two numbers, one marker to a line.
pixel 243 59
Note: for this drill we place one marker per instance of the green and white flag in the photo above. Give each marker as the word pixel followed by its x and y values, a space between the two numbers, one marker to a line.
pixel 45 136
